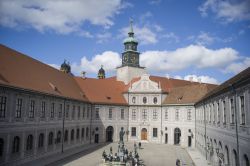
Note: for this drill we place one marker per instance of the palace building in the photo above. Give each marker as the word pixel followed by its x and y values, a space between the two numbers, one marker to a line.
pixel 45 111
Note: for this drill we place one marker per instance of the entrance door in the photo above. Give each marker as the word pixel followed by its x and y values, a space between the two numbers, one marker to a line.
pixel 177 136
pixel 96 138
pixel 144 134
pixel 109 134
pixel 189 141
pixel 166 138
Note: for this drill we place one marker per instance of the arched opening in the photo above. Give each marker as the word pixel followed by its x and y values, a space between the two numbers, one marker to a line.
pixel 246 161
pixel 144 134
pixel 177 136
pixel 227 159
pixel 58 137
pixel 50 142
pixel 234 157
pixel 96 135
pixel 40 140
pixel 29 142
pixel 72 135
pixel 1 147
pixel 109 134
pixel 16 144
pixel 66 136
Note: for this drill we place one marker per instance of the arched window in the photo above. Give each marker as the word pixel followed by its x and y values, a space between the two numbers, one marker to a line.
pixel 155 100
pixel 144 100
pixel 1 147
pixel 227 159
pixel 72 134
pixel 87 132
pixel 66 136
pixel 50 138
pixel 133 99
pixel 29 142
pixel 246 161
pixel 234 157
pixel 77 134
pixel 16 144
pixel 58 137
pixel 83 133
pixel 40 140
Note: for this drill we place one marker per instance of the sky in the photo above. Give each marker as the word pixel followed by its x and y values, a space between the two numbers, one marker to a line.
pixel 207 40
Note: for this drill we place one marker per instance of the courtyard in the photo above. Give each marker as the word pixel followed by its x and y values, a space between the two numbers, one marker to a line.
pixel 151 154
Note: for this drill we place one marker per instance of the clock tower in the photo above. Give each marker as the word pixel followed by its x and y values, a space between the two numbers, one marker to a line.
pixel 130 59
pixel 130 56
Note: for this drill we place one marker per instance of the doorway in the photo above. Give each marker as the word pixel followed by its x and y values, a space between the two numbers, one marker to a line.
pixel 177 136
pixel 97 138
pixel 109 134
pixel 144 134
pixel 166 138
pixel 189 141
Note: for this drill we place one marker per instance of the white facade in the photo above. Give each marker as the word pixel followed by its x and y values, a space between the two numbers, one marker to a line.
pixel 216 127
pixel 127 73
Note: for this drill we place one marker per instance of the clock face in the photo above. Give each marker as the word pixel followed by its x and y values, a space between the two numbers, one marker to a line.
pixel 125 58
pixel 133 59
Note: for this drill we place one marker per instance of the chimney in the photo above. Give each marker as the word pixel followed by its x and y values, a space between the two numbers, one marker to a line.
pixel 83 73
pixel 191 79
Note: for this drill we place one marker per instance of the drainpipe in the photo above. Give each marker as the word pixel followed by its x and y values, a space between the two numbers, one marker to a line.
pixel 90 128
pixel 236 124
pixel 63 125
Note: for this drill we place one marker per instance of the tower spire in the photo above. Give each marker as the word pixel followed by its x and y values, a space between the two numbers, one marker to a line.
pixel 131 32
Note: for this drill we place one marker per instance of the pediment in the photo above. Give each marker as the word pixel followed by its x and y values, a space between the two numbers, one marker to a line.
pixel 145 85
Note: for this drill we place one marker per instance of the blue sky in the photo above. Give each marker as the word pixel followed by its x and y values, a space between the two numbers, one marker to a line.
pixel 207 40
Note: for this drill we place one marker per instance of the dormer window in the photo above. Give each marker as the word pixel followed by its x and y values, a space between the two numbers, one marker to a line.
pixel 155 100
pixel 144 100
pixel 133 100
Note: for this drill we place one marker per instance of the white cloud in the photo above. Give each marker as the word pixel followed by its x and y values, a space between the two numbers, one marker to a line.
pixel 60 16
pixel 228 11
pixel 103 37
pixel 109 59
pixel 144 34
pixel 237 67
pixel 172 37
pixel 155 2
pixel 204 39
pixel 202 78
pixel 191 56
pixel 55 66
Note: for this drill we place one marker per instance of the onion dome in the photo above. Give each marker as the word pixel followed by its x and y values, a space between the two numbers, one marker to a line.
pixel 65 67
pixel 101 73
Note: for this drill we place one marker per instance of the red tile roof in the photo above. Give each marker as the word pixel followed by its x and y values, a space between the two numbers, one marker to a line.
pixel 19 70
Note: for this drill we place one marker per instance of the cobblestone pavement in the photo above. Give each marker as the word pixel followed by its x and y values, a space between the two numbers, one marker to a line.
pixel 151 154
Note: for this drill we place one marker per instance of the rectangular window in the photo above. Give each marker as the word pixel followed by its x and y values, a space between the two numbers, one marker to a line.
pixel 67 111
pixel 60 111
pixel 224 112
pixel 154 132
pixel 189 114
pixel 2 106
pixel 18 108
pixel 133 114
pixel 43 109
pixel 88 109
pixel 218 113
pixel 176 114
pixel 73 112
pixel 155 116
pixel 133 131
pixel 232 110
pixel 32 109
pixel 110 113
pixel 97 113
pixel 78 114
pixel 144 114
pixel 210 114
pixel 214 113
pixel 83 112
pixel 242 110
pixel 122 114
pixel 166 114
pixel 52 111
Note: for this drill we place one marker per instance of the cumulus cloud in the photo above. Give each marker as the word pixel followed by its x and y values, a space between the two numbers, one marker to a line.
pixel 195 78
pixel 60 16
pixel 204 39
pixel 109 59
pixel 191 56
pixel 144 34
pixel 228 10
pixel 171 37
pixel 237 67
